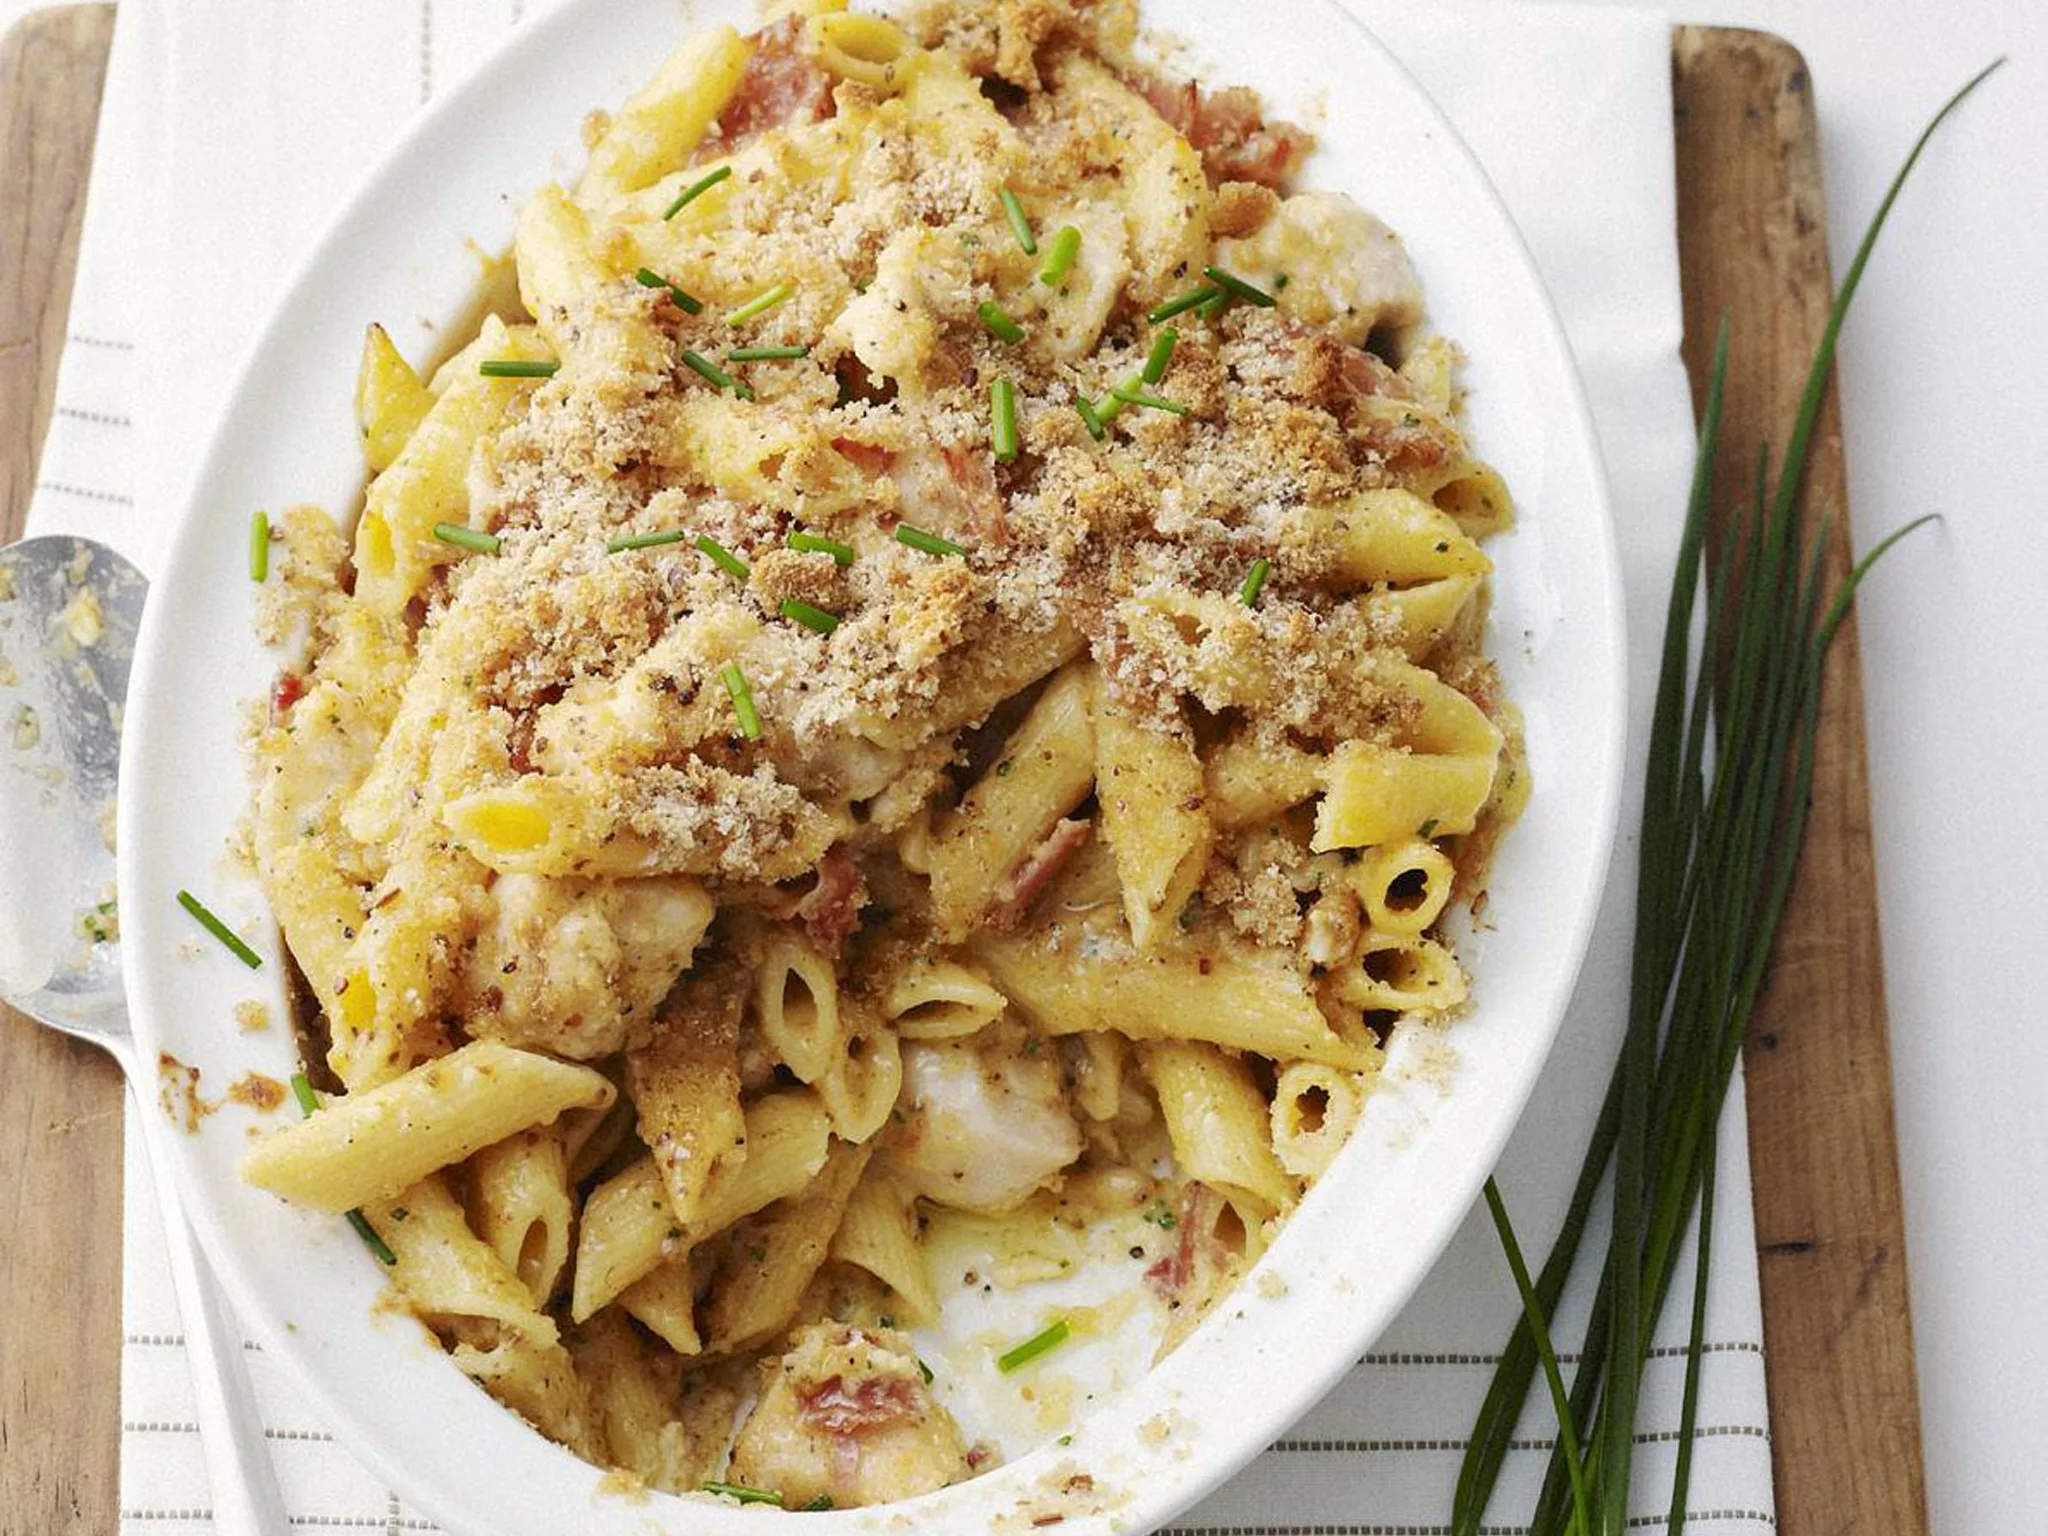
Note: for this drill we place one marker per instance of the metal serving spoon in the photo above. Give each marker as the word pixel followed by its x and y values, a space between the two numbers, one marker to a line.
pixel 68 615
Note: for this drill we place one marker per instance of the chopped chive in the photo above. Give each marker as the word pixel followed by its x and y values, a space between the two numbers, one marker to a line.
pixel 930 543
pixel 999 324
pixel 1002 402
pixel 468 538
pixel 1214 305
pixel 1131 394
pixel 822 1501
pixel 760 303
pixel 687 303
pixel 924 1370
pixel 516 368
pixel 619 546
pixel 1427 829
pixel 695 190
pixel 377 1246
pixel 742 700
pixel 741 1493
pixel 259 545
pixel 1161 355
pixel 1059 256
pixel 1113 404
pixel 1254 582
pixel 1091 417
pixel 1049 1337
pixel 1281 282
pixel 813 544
pixel 722 557
pixel 766 354
pixel 1019 224
pixel 1186 301
pixel 302 1090
pixel 1237 287
pixel 714 375
pixel 219 930
pixel 811 618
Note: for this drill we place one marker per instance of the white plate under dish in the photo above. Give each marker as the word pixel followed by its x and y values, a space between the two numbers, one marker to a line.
pixel 1364 1238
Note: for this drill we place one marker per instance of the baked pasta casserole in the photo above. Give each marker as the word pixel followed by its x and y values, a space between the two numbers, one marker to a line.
pixel 925 664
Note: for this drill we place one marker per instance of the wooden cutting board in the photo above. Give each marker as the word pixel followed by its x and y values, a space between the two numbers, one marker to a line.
pixel 1844 1410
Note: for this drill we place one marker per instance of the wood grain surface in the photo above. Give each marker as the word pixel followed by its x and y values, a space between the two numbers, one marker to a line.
pixel 1843 1404
pixel 60 1102
pixel 1838 1338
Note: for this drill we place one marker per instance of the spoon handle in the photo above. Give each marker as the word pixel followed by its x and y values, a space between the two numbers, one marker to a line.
pixel 246 1498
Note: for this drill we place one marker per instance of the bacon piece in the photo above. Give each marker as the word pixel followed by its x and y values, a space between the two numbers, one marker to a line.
pixel 837 1409
pixel 1234 138
pixel 831 909
pixel 975 479
pixel 778 86
pixel 868 458
pixel 286 691
pixel 1021 887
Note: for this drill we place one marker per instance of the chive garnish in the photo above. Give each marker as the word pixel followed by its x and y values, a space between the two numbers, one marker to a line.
pixel 516 368
pixel 760 303
pixel 1254 582
pixel 1002 401
pixel 302 1090
pixel 742 1494
pixel 742 700
pixel 1161 355
pixel 1214 305
pixel 1059 256
pixel 822 1501
pixel 714 375
pixel 687 303
pixel 1091 417
pixel 813 544
pixel 1238 288
pixel 1281 282
pixel 1049 1337
pixel 1019 224
pixel 999 324
pixel 1721 835
pixel 811 618
pixel 1113 405
pixel 766 354
pixel 1131 394
pixel 619 546
pixel 930 543
pixel 259 545
pixel 695 190
pixel 924 1370
pixel 1185 302
pixel 722 557
pixel 474 539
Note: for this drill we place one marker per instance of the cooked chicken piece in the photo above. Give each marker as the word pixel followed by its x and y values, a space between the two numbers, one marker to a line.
pixel 847 1415
pixel 986 1120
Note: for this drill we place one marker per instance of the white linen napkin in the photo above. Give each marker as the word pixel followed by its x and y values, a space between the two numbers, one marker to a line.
pixel 231 129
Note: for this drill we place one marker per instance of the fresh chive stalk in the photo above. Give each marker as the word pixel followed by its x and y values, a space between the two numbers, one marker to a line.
pixel 517 368
pixel 1049 1337
pixel 259 546
pixel 1002 402
pixel 1254 582
pixel 722 557
pixel 220 930
pixel 1184 303
pixel 815 544
pixel 620 545
pixel 1131 394
pixel 1213 305
pixel 930 543
pixel 695 190
pixel 472 539
pixel 811 618
pixel 1091 418
pixel 1020 225
pixel 714 375
pixel 760 303
pixel 1160 358
pixel 821 1502
pixel 1721 835
pixel 742 700
pixel 766 354
pixel 1059 256
pixel 302 1090
pixel 1238 288
pixel 687 303
pixel 999 324
pixel 740 1493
